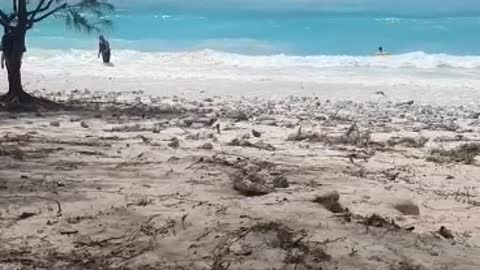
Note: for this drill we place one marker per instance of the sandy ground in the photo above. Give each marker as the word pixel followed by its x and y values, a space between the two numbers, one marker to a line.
pixel 425 86
pixel 145 182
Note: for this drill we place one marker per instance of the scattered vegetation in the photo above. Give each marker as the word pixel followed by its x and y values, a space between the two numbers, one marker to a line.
pixel 407 142
pixel 379 222
pixel 273 237
pixel 464 153
pixel 353 136
pixel 245 143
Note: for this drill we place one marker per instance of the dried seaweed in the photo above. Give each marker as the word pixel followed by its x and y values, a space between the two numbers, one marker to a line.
pixel 464 153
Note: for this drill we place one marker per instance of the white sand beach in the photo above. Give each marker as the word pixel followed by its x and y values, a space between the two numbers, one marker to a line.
pixel 244 169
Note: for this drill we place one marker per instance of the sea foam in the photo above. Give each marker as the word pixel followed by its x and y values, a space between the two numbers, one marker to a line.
pixel 129 63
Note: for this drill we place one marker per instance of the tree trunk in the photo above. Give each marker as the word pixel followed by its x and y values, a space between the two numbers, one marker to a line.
pixel 13 61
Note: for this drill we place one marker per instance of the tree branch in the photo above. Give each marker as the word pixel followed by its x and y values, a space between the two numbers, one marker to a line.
pixel 50 13
pixel 3 19
pixel 40 8
pixel 37 9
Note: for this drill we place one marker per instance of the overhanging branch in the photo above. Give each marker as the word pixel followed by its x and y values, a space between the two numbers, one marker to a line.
pixel 50 13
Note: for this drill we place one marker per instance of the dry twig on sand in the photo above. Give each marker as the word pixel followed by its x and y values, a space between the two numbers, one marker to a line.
pixel 274 236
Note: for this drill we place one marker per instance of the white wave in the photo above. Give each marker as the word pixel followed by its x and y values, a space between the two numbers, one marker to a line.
pixel 129 63
pixel 388 20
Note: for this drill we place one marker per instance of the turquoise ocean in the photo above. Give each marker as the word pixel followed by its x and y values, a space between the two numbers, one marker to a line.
pixel 318 33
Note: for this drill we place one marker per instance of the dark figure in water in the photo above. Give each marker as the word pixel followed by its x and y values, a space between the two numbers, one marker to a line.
pixel 380 50
pixel 104 50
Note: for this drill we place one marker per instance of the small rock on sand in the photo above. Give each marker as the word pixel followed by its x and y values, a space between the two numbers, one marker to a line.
pixel 175 143
pixel 251 185
pixel 446 233
pixel 207 146
pixel 55 123
pixel 280 182
pixel 407 208
pixel 330 201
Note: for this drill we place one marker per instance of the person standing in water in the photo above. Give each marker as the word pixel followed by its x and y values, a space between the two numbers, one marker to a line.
pixel 104 50
pixel 380 50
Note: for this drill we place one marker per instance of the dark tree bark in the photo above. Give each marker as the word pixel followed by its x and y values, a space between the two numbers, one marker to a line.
pixel 13 63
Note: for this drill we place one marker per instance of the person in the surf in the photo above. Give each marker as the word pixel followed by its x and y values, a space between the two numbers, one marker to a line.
pixel 104 50
pixel 380 50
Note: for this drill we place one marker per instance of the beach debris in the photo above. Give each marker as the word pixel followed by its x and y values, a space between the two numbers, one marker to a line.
pixel 306 136
pixel 193 121
pixel 464 153
pixel 265 117
pixel 12 150
pixel 292 247
pixel 166 108
pixel 245 143
pixel 378 221
pixel 408 208
pixel 55 123
pixel 145 140
pixel 129 128
pixel 269 123
pixel 237 115
pixel 353 136
pixel 197 126
pixel 68 232
pixel 252 184
pixel 320 117
pixel 405 103
pixel 142 201
pixel 405 266
pixel 409 142
pixel 330 201
pixel 280 182
pixel 456 138
pixel 263 145
pixel 206 146
pixel 256 134
pixel 200 136
pixel 174 143
pixel 84 124
pixel 245 136
pixel 26 215
pixel 391 174
pixel 445 233
pixel 448 125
